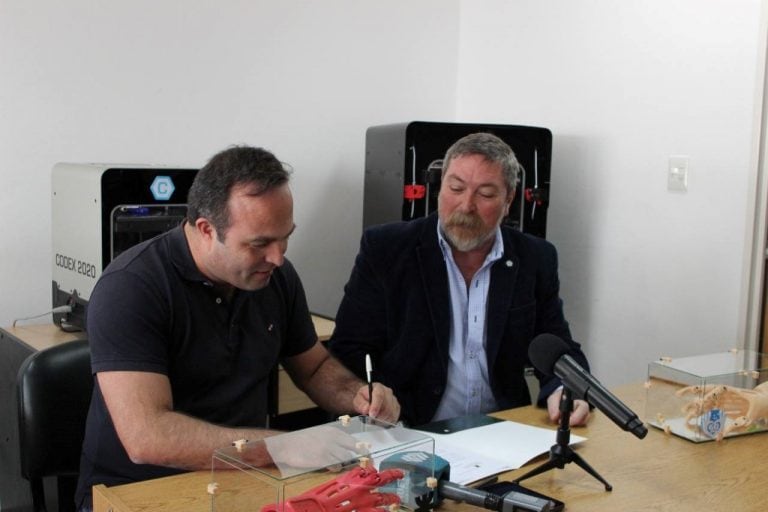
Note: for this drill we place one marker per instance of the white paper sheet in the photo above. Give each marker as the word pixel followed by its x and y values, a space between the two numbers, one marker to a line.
pixel 478 453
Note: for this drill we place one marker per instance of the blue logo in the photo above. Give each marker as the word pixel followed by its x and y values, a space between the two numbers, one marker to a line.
pixel 713 422
pixel 162 188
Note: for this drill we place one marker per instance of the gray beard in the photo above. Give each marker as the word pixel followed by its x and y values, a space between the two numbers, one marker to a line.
pixel 466 244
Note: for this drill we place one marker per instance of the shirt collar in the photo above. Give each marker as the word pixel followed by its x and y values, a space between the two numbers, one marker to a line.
pixel 181 255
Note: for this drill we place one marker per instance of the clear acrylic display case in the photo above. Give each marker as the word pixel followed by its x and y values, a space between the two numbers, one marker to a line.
pixel 709 397
pixel 353 460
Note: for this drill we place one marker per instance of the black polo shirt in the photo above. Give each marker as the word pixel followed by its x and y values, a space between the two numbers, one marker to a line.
pixel 153 311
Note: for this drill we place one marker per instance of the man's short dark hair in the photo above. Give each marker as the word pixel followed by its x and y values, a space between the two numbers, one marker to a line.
pixel 237 165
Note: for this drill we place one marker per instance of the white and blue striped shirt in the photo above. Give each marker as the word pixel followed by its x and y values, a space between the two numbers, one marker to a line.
pixel 468 389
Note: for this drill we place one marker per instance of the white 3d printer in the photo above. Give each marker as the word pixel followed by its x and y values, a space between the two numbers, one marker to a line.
pixel 99 211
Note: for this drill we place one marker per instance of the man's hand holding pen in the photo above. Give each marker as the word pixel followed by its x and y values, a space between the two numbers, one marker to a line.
pixel 380 404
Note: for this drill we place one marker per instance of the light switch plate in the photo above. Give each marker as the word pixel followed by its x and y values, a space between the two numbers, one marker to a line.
pixel 677 175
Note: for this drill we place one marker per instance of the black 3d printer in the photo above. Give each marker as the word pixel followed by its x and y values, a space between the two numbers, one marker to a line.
pixel 98 211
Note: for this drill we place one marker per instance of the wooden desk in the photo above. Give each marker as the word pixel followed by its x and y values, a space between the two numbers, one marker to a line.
pixel 658 473
pixel 324 327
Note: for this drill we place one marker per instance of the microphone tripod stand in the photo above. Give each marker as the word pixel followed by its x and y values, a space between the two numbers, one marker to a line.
pixel 561 453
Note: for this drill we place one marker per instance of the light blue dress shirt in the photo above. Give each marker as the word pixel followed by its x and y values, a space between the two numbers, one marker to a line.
pixel 467 390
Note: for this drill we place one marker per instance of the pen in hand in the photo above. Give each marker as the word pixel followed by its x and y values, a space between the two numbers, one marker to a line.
pixel 368 370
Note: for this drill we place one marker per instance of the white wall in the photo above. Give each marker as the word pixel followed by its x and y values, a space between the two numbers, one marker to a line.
pixel 623 85
pixel 174 81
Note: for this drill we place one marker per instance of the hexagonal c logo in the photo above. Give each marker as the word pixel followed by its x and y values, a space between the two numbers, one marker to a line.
pixel 162 188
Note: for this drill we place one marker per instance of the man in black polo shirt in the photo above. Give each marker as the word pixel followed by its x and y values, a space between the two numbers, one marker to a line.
pixel 185 329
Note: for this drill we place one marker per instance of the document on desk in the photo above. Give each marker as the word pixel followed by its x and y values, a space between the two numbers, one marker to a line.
pixel 478 453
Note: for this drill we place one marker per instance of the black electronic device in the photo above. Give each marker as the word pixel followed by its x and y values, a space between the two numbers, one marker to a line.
pixel 420 467
pixel 510 501
pixel 549 355
pixel 503 488
pixel 457 424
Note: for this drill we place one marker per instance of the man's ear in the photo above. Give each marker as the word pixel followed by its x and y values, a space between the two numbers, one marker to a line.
pixel 205 229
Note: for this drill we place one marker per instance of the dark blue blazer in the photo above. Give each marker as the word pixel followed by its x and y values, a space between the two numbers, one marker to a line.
pixel 396 307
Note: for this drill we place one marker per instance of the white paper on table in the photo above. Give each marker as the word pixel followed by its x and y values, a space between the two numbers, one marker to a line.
pixel 481 452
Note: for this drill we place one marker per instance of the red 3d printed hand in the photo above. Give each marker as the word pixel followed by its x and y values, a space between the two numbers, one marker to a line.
pixel 354 490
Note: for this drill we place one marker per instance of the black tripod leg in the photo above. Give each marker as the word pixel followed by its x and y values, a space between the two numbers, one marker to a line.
pixel 575 457
pixel 545 466
pixel 561 453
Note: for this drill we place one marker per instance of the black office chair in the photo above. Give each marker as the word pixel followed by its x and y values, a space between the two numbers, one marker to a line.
pixel 54 392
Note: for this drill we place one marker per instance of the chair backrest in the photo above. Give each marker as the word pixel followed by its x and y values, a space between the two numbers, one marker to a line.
pixel 54 393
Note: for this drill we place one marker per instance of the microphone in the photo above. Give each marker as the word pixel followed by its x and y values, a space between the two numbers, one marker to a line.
pixel 549 354
pixel 509 502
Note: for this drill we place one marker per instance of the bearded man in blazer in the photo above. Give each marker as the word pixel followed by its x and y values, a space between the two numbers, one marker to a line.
pixel 447 305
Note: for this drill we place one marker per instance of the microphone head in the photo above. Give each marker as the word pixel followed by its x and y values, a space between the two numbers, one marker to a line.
pixel 544 351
